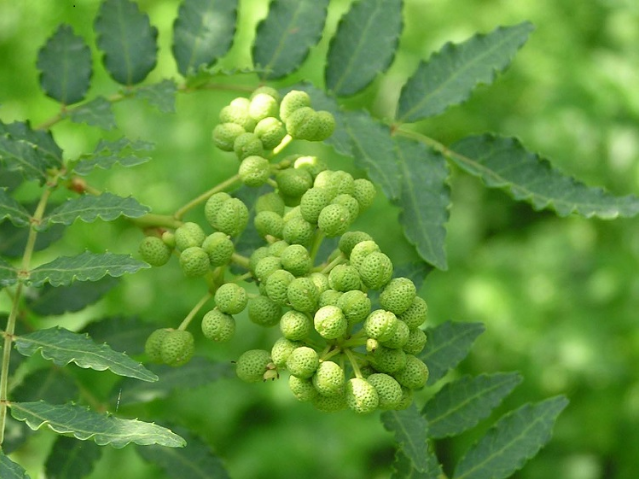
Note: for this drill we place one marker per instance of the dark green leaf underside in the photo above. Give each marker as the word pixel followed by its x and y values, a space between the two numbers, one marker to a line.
pixel 96 112
pixel 39 140
pixel 403 468
pixel 20 156
pixel 8 274
pixel 109 153
pixel 11 470
pixel 122 333
pixel 10 208
pixel 411 433
pixel 71 459
pixel 51 301
pixel 49 384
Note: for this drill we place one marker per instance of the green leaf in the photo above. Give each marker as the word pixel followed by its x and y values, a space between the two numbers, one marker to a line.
pixel 11 470
pixel 363 46
pixel 71 459
pixel 161 95
pixel 195 461
pixel 96 112
pixel 63 347
pixel 89 208
pixel 84 424
pixel 127 39
pixel 461 404
pixel 197 372
pixel 411 434
pixel 448 343
pixel 8 274
pixel 374 151
pixel 202 33
pixel 49 384
pixel 416 271
pixel 51 301
pixel 286 35
pixel 515 439
pixel 13 240
pixel 18 155
pixel 450 75
pixel 40 140
pixel 122 333
pixel 65 66
pixel 403 468
pixel 10 208
pixel 425 199
pixel 84 267
pixel 504 163
pixel 108 153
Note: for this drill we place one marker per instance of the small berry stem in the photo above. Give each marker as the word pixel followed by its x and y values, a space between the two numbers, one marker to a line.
pixel 283 144
pixel 152 220
pixel 194 311
pixel 353 360
pixel 243 277
pixel 205 196
pixel 317 242
pixel 327 269
pixel 240 260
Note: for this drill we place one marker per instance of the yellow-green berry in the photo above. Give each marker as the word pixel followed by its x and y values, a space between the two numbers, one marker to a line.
pixel 414 374
pixel 177 347
pixel 293 183
pixel 256 256
pixel 268 223
pixel 253 365
pixel 154 251
pixel 380 325
pixel 311 163
pixel 270 202
pixel 350 203
pixel 282 349
pixel 361 250
pixel 189 234
pixel 218 326
pixel 225 134
pixel 349 239
pixel 263 311
pixel 298 231
pixel 344 277
pixel 330 403
pixel 267 266
pixel 303 295
pixel 320 280
pixel 388 389
pixel 296 259
pixel 330 297
pixel 387 360
pixel 153 345
pixel 355 305
pixel 398 295
pixel 254 171
pixel 232 217
pixel 277 248
pixel 293 100
pixel 303 124
pixel 302 389
pixel 325 125
pixel 213 205
pixel 277 285
pixel 295 325
pixel 330 323
pixel 270 131
pixel 333 220
pixel 399 338
pixel 364 192
pixel 194 262
pixel 238 112
pixel 376 270
pixel 329 379
pixel 361 396
pixel 248 144
pixel 231 298
pixel 343 181
pixel 416 341
pixel 262 106
pixel 416 314
pixel 268 91
pixel 303 362
pixel 313 202
pixel 219 247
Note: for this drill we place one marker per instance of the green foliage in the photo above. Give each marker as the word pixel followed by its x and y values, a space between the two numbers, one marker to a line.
pixel 71 459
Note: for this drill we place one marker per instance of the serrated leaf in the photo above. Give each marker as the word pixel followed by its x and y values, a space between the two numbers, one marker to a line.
pixel 403 468
pixel 11 180
pixel 462 403
pixel 197 372
pixel 504 163
pixel 286 35
pixel 21 156
pixel 108 153
pixel 96 112
pixel 202 33
pixel 84 267
pixel 11 470
pixel 16 434
pixel 122 333
pixel 85 424
pixel 448 343
pixel 71 459
pixel 8 274
pixel 450 75
pixel 39 140
pixel 424 199
pixel 51 301
pixel 89 208
pixel 128 41
pixel 63 347
pixel 161 95
pixel 13 240
pixel 374 151
pixel 195 461
pixel 65 66
pixel 10 208
pixel 515 439
pixel 49 384
pixel 364 45
pixel 411 434
pixel 416 271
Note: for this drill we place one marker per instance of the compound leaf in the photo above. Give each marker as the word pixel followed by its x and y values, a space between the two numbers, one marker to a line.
pixel 85 424
pixel 513 440
pixel 39 140
pixel 48 384
pixel 424 199
pixel 63 347
pixel 128 41
pixel 161 95
pixel 71 459
pixel 10 208
pixel 504 163
pixel 65 66
pixel 448 343
pixel 450 75
pixel 285 36
pixel 13 240
pixel 96 112
pixel 84 267
pixel 51 301
pixel 364 45
pixel 11 470
pixel 8 274
pixel 108 153
pixel 403 467
pixel 122 333
pixel 89 208
pixel 202 33
pixel 462 403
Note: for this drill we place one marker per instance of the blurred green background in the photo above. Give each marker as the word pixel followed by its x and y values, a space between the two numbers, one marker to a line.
pixel 559 296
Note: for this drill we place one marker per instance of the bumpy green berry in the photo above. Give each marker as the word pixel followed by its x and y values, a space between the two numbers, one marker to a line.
pixel 311 163
pixel 325 125
pixel 268 91
pixel 399 338
pixel 388 389
pixel 252 365
pixel 330 403
pixel 416 341
pixel 333 220
pixel 218 326
pixel 225 134
pixel 231 298
pixel 303 362
pixel 282 349
pixel 303 124
pixel 344 277
pixel 213 205
pixel 267 266
pixel 376 270
pixel 248 144
pixel 254 171
pixel 344 182
pixel 270 202
pixel 364 192
pixel 329 379
pixel 349 239
pixel 232 217
pixel 380 325
pixel 388 360
pixel 330 297
pixel 313 202
pixel 293 183
pixel 398 295
pixel 361 396
pixel 270 131
pixel 295 325
pixel 262 106
pixel 302 389
pixel 303 295
pixel 154 251
pixel 292 101
pixel 296 259
pixel 177 348
pixel 238 112
pixel 153 345
pixel 330 322
pixel 416 314
pixel 355 305
pixel 194 262
pixel 264 311
pixel 277 285
pixel 360 251
pixel 298 231
pixel 168 238
pixel 350 203
pixel 256 256
pixel 269 223
pixel 277 248
pixel 414 375
pixel 219 247
pixel 188 235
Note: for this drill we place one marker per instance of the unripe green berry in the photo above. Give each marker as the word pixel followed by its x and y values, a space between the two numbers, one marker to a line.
pixel 386 360
pixel 295 325
pixel 218 326
pixel 292 101
pixel 349 239
pixel 361 250
pixel 416 341
pixel 232 217
pixel 311 163
pixel 416 314
pixel 350 203
pixel 388 389
pixel 407 399
pixel 268 223
pixel 253 365
pixel 268 91
pixel 380 325
pixel 153 345
pixel 270 202
pixel 188 235
pixel 313 202
pixel 231 298
pixel 325 125
pixel 330 297
pixel 400 338
pixel 256 256
pixel 303 362
pixel 320 280
pixel 324 180
pixel 225 134
pixel 296 259
pixel 303 295
pixel 248 144
pixel 237 112
pixel 213 205
pixel 303 124
pixel 194 262
pixel 376 270
pixel 267 266
pixel 398 295
pixel 330 322
pixel 254 171
pixel 329 379
pixel 355 305
pixel 361 396
pixel 344 278
pixel 302 389
pixel 333 220
pixel 282 349
pixel 364 192
pixel 264 311
pixel 153 250
pixel 262 106
pixel 414 375
pixel 298 231
pixel 177 347
pixel 344 182
pixel 277 285
pixel 270 131
pixel 219 247
pixel 293 183
pixel 330 403
pixel 168 238
pixel 277 248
